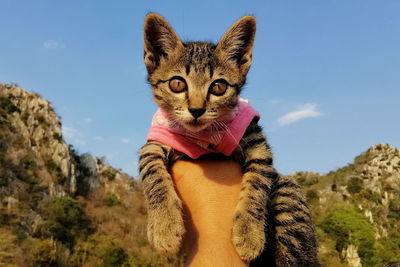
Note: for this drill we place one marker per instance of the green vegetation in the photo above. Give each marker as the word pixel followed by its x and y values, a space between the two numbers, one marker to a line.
pixel 55 230
pixel 42 120
pixel 66 220
pixel 354 185
pixel 57 137
pixel 306 178
pixel 24 117
pixel 389 249
pixel 43 253
pixel 346 225
pixel 110 174
pixel 113 256
pixel 100 250
pixel 7 105
pixel 111 200
pixel 67 212
pixel 372 196
pixel 312 195
pixel 55 171
pixel 394 208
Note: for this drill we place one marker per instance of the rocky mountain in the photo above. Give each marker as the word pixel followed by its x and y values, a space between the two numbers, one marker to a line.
pixel 61 208
pixel 357 209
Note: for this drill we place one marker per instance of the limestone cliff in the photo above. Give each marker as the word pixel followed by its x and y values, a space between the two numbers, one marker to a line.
pixel 59 208
pixel 369 190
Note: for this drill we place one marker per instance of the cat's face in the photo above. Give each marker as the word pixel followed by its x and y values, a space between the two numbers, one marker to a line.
pixel 197 83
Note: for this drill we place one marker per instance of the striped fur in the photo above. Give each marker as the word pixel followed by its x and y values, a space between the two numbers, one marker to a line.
pixel 165 228
pixel 291 235
pixel 271 223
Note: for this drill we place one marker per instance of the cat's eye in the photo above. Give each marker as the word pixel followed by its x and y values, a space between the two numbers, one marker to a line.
pixel 218 87
pixel 177 84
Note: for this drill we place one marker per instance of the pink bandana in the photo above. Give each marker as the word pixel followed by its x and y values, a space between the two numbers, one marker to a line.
pixel 214 139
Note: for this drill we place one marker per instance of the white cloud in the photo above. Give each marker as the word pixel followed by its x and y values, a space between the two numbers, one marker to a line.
pixel 98 138
pixel 274 101
pixel 110 156
pixel 53 44
pixel 125 140
pixel 73 134
pixel 69 132
pixel 302 112
pixel 87 120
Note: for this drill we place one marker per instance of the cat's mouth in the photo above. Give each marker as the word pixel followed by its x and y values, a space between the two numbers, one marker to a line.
pixel 195 125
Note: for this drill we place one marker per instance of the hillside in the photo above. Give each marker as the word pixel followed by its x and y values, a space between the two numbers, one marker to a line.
pixel 357 209
pixel 61 208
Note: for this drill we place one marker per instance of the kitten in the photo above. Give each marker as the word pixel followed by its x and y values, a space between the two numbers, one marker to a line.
pixel 197 87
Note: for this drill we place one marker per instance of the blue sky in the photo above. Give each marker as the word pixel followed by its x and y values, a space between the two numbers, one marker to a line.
pixel 325 74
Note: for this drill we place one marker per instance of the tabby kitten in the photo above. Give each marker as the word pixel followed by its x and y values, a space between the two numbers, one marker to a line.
pixel 197 86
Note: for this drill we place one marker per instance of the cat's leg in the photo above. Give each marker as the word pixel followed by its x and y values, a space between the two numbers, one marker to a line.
pixel 250 217
pixel 165 226
pixel 293 238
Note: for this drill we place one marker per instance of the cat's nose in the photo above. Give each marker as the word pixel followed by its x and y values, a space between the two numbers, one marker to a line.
pixel 197 112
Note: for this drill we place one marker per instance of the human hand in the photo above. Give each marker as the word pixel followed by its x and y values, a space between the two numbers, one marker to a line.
pixel 209 190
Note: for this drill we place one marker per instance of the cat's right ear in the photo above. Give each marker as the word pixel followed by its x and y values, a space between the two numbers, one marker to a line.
pixel 160 40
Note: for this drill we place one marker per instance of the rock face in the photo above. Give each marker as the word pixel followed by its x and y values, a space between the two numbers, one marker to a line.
pixel 56 205
pixel 88 174
pixel 371 186
pixel 350 255
pixel 33 126
pixel 384 160
pixel 31 135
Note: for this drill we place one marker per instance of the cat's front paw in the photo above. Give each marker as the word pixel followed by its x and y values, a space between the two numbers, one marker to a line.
pixel 248 235
pixel 165 227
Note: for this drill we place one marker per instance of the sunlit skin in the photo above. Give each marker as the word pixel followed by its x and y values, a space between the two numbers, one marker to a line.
pixel 209 190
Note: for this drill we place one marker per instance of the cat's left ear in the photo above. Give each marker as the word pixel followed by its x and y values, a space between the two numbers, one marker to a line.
pixel 237 43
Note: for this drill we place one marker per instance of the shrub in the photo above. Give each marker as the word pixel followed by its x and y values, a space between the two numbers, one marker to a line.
pixel 28 162
pixel 99 250
pixel 65 214
pixel 334 187
pixel 346 225
pixel 111 200
pixel 312 195
pixel 52 229
pixel 113 256
pixel 3 180
pixel 354 185
pixel 55 171
pixel 7 105
pixel 110 174
pixel 389 249
pixel 306 178
pixel 42 121
pixel 66 211
pixel 52 166
pixel 8 248
pixel 394 208
pixel 371 196
pixel 28 178
pixel 24 117
pixel 57 137
pixel 43 253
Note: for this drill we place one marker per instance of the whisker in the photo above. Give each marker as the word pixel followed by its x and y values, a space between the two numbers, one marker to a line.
pixel 226 128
